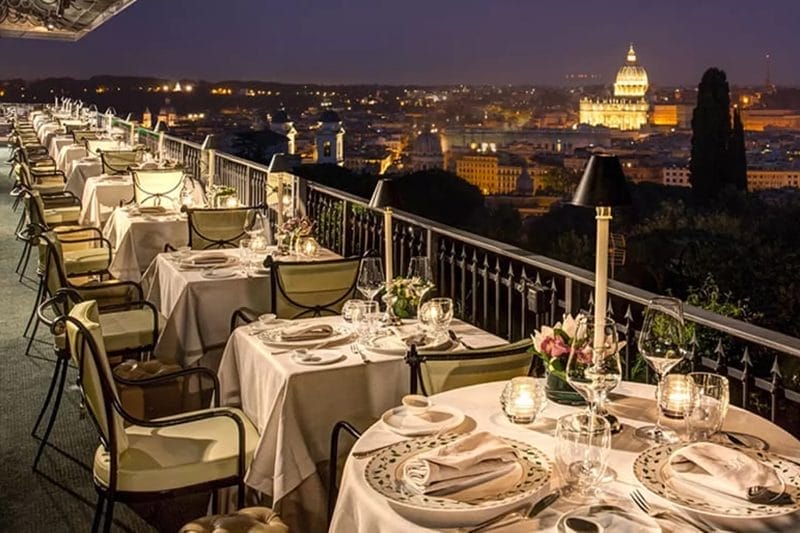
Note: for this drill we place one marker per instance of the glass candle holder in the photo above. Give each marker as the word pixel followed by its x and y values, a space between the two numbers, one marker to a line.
pixel 523 399
pixel 676 395
pixel 231 201
pixel 309 247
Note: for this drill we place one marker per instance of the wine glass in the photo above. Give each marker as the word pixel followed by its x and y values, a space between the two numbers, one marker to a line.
pixel 594 368
pixel 663 344
pixel 583 442
pixel 245 256
pixel 420 267
pixel 441 313
pixel 370 277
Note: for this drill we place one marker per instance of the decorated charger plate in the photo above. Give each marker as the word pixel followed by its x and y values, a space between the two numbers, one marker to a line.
pixel 274 337
pixel 388 343
pixel 653 470
pixel 382 474
pixel 213 260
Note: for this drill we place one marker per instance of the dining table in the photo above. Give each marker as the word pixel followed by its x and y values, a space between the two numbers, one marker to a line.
pixel 198 303
pixel 68 155
pixel 136 239
pixel 79 171
pixel 295 404
pixel 57 142
pixel 360 507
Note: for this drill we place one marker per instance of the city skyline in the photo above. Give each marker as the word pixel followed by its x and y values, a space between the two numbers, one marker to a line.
pixel 431 43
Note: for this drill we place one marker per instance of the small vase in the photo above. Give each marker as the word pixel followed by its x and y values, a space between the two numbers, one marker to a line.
pixel 559 391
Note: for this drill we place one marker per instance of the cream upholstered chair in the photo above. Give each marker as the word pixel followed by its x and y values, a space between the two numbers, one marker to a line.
pixel 201 450
pixel 132 330
pixel 82 135
pixel 158 186
pixel 311 288
pixel 97 146
pixel 217 228
pixel 435 372
pixel 247 520
pixel 119 161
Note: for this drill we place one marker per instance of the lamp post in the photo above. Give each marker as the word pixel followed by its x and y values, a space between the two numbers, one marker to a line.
pixel 384 197
pixel 603 186
pixel 280 168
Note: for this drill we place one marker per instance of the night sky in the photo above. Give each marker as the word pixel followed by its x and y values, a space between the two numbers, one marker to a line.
pixel 426 41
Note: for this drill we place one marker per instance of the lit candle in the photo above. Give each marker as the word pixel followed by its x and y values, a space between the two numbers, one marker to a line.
pixel 677 396
pixel 522 400
pixel 387 229
pixel 231 201
pixel 310 247
pixel 603 217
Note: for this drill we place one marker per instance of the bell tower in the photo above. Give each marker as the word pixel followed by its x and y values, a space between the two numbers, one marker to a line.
pixel 329 141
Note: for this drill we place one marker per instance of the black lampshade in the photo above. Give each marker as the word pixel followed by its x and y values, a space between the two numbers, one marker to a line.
pixel 603 184
pixel 385 194
pixel 284 163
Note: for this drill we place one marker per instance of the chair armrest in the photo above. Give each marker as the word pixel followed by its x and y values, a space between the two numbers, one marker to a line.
pixel 109 290
pixel 169 248
pixel 172 376
pixel 245 314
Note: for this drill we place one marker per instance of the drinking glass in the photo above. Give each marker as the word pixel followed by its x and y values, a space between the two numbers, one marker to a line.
pixel 663 343
pixel 350 309
pixel 711 400
pixel 364 314
pixel 255 225
pixel 370 277
pixel 583 442
pixel 245 256
pixel 594 371
pixel 441 313
pixel 420 267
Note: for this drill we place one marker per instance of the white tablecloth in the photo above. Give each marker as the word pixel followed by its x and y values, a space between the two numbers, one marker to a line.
pixel 69 155
pixel 82 170
pixel 101 195
pixel 296 406
pixel 198 309
pixel 137 240
pixel 359 508
pixel 57 142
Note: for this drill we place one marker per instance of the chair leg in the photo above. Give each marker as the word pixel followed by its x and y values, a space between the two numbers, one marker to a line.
pixel 36 302
pixel 27 252
pixel 33 335
pixel 214 501
pixel 22 256
pixel 48 396
pixel 109 514
pixel 240 495
pixel 98 510
pixel 56 405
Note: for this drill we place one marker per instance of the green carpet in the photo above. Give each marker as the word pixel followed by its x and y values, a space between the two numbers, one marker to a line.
pixel 60 496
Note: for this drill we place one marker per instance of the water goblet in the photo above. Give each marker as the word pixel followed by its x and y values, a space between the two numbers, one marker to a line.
pixel 663 344
pixel 583 442
pixel 370 277
pixel 245 254
pixel 710 405
pixel 363 315
pixel 594 371
pixel 349 310
pixel 441 313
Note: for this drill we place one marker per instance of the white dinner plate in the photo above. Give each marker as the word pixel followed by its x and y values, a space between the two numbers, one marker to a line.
pixel 272 337
pixel 437 512
pixel 434 419
pixel 318 357
pixel 653 470
pixel 218 273
pixel 389 343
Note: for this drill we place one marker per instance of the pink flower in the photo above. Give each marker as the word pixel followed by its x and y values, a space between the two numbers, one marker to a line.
pixel 554 347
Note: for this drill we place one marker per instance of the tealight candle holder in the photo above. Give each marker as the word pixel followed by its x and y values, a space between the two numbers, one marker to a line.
pixel 309 247
pixel 231 201
pixel 522 400
pixel 676 395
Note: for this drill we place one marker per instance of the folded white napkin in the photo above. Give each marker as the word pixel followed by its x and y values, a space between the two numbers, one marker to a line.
pixel 210 259
pixel 722 469
pixel 304 332
pixel 469 468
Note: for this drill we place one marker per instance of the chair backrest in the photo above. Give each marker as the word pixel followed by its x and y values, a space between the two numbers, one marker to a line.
pixel 119 161
pixel 81 136
pixel 97 146
pixel 85 338
pixel 157 186
pixel 312 288
pixel 73 125
pixel 217 228
pixel 437 372
pixel 55 273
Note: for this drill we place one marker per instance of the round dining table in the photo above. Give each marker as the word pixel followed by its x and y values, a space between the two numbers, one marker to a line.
pixel 361 508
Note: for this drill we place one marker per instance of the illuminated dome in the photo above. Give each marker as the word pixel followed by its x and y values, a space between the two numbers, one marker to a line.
pixel 631 78
pixel 428 143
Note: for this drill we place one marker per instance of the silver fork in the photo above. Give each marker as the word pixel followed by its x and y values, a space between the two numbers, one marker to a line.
pixel 640 501
pixel 356 350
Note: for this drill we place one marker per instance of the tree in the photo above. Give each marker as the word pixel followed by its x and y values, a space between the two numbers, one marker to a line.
pixel 737 158
pixel 711 132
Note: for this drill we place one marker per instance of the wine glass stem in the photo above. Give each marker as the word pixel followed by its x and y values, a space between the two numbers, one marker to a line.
pixel 658 428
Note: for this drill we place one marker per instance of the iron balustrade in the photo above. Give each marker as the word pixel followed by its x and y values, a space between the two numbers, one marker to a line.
pixel 511 292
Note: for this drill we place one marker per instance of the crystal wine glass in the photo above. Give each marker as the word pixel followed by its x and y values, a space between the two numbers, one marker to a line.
pixel 583 442
pixel 663 344
pixel 594 371
pixel 370 277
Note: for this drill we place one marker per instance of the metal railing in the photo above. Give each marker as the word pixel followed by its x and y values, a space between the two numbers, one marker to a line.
pixel 509 291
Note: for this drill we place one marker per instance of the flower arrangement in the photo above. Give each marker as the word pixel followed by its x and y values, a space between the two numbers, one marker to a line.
pixel 218 193
pixel 293 230
pixel 552 345
pixel 405 294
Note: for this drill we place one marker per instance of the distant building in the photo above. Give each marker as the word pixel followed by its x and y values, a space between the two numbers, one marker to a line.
pixel 676 176
pixel 372 159
pixel 628 109
pixel 757 179
pixel 497 173
pixel 329 139
pixel 672 115
pixel 167 114
pixel 426 152
pixel 759 119
pixel 280 123
pixel 147 118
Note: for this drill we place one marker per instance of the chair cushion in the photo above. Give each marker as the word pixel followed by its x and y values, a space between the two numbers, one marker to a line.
pixel 61 215
pixel 178 456
pixel 247 520
pixel 86 260
pixel 124 330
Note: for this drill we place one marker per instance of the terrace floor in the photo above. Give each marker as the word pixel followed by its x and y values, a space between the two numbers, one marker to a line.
pixel 60 496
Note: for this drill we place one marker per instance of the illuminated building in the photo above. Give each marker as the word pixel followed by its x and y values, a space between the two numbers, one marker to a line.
pixel 757 179
pixel 672 115
pixel 493 173
pixel 760 119
pixel 426 151
pixel 167 114
pixel 329 139
pixel 628 109
pixel 147 118
pixel 280 123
